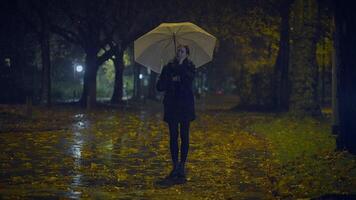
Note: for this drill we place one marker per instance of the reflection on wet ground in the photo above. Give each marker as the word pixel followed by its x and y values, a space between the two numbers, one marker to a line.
pixel 121 155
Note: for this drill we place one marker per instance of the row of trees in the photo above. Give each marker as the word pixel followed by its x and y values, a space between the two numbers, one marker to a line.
pixel 103 29
pixel 276 51
pixel 301 55
pixel 260 42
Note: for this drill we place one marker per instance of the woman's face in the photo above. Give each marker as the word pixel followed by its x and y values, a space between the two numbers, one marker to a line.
pixel 181 53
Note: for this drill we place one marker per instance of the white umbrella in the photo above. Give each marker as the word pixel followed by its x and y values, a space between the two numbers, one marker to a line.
pixel 158 47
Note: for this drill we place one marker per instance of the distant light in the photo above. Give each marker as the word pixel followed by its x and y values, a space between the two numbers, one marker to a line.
pixel 79 68
pixel 140 76
pixel 7 62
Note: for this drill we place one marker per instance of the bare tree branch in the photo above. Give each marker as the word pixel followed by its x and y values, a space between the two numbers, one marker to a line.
pixel 68 35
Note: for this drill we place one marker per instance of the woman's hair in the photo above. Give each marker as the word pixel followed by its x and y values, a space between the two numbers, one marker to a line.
pixel 187 50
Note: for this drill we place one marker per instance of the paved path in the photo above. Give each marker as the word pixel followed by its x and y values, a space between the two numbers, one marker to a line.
pixel 122 154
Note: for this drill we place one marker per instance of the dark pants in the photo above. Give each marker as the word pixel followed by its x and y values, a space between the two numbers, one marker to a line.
pixel 184 135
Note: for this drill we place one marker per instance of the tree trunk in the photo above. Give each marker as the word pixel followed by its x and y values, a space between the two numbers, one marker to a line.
pixel 88 98
pixel 44 37
pixel 281 79
pixel 137 82
pixel 152 86
pixel 21 79
pixel 46 64
pixel 244 96
pixel 119 73
pixel 303 66
pixel 322 98
pixel 335 104
pixel 346 73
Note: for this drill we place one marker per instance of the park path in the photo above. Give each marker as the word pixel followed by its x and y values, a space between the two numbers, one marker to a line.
pixel 121 154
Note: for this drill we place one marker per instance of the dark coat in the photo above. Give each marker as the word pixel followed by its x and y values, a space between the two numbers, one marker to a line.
pixel 178 97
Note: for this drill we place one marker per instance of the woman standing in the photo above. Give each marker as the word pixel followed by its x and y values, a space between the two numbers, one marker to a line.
pixel 176 81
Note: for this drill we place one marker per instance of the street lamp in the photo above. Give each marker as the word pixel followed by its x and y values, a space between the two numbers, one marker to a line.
pixel 79 68
pixel 76 72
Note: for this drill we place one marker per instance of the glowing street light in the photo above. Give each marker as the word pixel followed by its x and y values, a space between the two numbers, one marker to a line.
pixel 79 68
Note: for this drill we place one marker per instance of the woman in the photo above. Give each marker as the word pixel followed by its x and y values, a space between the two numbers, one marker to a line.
pixel 176 81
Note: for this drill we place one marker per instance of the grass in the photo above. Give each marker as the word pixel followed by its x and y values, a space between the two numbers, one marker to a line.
pixel 305 163
pixel 293 137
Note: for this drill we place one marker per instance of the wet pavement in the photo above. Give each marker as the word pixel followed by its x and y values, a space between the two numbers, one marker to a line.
pixel 122 154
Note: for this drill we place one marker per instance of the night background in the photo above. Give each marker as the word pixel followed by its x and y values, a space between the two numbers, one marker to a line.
pixel 81 119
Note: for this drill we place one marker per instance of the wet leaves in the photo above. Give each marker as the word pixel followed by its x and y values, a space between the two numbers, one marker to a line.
pixel 110 154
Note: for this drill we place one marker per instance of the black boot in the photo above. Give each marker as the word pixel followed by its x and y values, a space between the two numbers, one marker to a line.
pixel 174 173
pixel 170 179
pixel 181 178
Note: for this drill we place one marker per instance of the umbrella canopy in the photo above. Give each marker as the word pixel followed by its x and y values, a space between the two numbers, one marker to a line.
pixel 158 47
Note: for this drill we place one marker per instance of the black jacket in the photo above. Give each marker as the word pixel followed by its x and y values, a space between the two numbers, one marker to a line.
pixel 178 95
